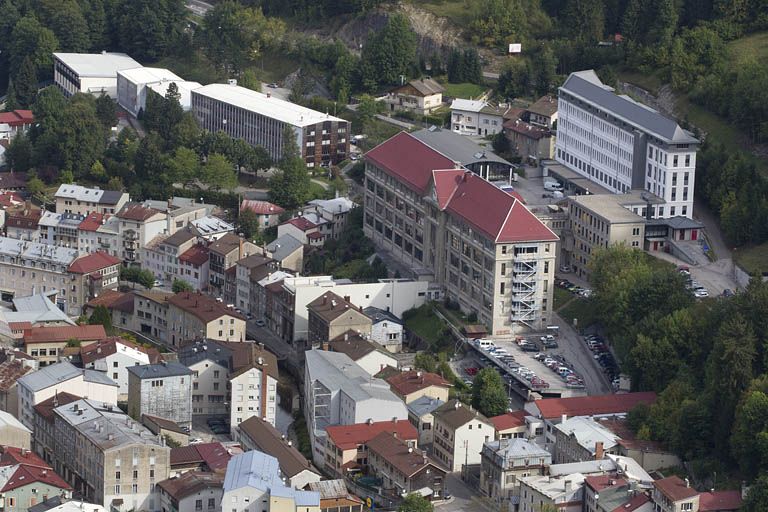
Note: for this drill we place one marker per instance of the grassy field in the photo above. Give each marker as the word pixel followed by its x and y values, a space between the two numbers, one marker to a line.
pixel 651 83
pixel 465 90
pixel 581 309
pixel 426 324
pixel 753 259
pixel 752 47
pixel 457 11
pixel 561 297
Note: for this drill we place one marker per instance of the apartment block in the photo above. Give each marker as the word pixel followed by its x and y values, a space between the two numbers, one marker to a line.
pixel 138 225
pixel 261 120
pixel 163 390
pixel 107 457
pixel 192 315
pixel 621 145
pixel 420 415
pixel 209 361
pixel 477 117
pixel 81 200
pixel 253 384
pixel 481 245
pixel 460 433
pixel 504 462
pixel 224 253
pixel 46 344
pixel 193 490
pixel 331 316
pixel 113 356
pixel 564 493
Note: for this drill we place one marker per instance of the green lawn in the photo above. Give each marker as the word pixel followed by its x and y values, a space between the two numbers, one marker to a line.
pixel 581 309
pixel 650 82
pixel 457 11
pixel 753 259
pixel 426 324
pixel 752 47
pixel 465 90
pixel 561 297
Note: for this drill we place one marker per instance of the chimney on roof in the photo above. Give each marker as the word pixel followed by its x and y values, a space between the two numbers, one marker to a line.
pixel 687 483
pixel 599 452
pixel 567 486
pixel 325 299
pixel 269 94
pixel 563 418
pixel 346 298
pixel 456 404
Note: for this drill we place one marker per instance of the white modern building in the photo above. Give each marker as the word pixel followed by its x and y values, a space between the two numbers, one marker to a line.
pixel 260 119
pixel 621 144
pixel 386 328
pixel 94 73
pixel 209 362
pixel 254 482
pixel 134 84
pixel 46 382
pixel 564 493
pixel 253 385
pixel 337 391
pixel 113 356
pixel 477 117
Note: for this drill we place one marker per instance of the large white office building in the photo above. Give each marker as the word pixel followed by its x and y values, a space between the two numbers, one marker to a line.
pixel 621 144
pixel 133 85
pixel 94 73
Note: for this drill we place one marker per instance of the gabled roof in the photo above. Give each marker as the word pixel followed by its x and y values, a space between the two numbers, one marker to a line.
pixel 17 117
pixel 330 306
pixel 457 147
pixel 409 160
pixel 586 86
pixel 423 405
pixel 456 414
pixel 301 223
pixel 283 246
pixel 196 255
pixel 347 437
pixel 261 471
pixel 620 403
pixel 158 371
pixel 248 354
pixel 269 440
pixel 508 420
pixel 108 346
pixel 213 455
pixel 113 299
pixel 93 221
pixel 408 461
pixel 191 482
pixel 424 86
pixel 380 315
pixel 151 422
pixel 10 372
pixel 261 207
pixel 137 212
pixel 488 209
pixel 180 237
pixel 353 345
pixel 12 456
pixel 600 482
pixel 675 488
pixel 92 262
pixel 226 244
pixel 23 475
pixel 545 106
pixel 204 307
pixel 46 407
pixel 637 501
pixel 64 333
pixel 719 501
pixel 409 382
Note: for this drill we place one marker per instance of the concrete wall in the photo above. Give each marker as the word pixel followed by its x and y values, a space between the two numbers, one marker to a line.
pixel 14 436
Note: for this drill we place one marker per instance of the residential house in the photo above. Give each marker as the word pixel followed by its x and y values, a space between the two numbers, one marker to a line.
pixel 477 117
pixel 180 211
pixel 71 198
pixel 333 212
pixel 57 504
pixel 119 304
pixel 460 433
pixel 370 356
pixel 673 494
pixel 93 234
pixel 210 457
pixel 512 425
pixel 500 259
pixel 403 469
pixel 224 253
pixel 565 493
pixel 259 306
pixel 254 477
pixel 24 225
pixel 91 275
pixel 720 501
pixel 46 344
pixel 250 270
pixel 287 251
pixel 211 228
pixel 582 438
pixel 108 458
pixel 504 462
pixel 13 432
pixel 532 142
pixel 414 384
pixel 138 225
pixel 161 255
pixel 420 96
pixel 15 122
pixel 258 434
pixel 386 328
pixel 192 491
pixel 38 310
pixel 543 112
pixel 151 316
pixel 267 214
pixel 252 384
pixel 44 428
pixel 209 361
pixel 346 449
pixel 331 316
pixel 166 429
pixel 306 231
pixel 337 391
pixel 11 370
pixel 113 356
pixel 60 229
pixel 25 481
pixel 608 493
pixel 163 390
pixel 194 267
pixel 420 415
pixel 334 497
pixel 192 315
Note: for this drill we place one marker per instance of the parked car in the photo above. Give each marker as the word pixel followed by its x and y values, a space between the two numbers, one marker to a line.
pixel 565 269
pixel 260 323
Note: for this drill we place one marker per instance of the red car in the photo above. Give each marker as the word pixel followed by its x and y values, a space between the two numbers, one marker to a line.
pixel 471 371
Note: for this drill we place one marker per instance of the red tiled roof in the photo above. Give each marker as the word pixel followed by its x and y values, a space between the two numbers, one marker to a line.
pixel 46 407
pixel 113 299
pixel 137 212
pixel 512 419
pixel 17 117
pixel 12 456
pixel 185 455
pixel 675 488
pixel 203 307
pixel 592 405
pixel 93 221
pixel 214 455
pixel 347 437
pixel 108 346
pixel 719 501
pixel 399 455
pixel 261 207
pixel 315 235
pixel 195 255
pixel 64 333
pixel 409 382
pixel 13 180
pixel 526 129
pixel 19 326
pixel 409 160
pixel 489 209
pixel 635 503
pixel 10 372
pixel 598 483
pixel 98 260
pixel 26 475
pixel 29 221
pixel 445 185
pixel 9 199
pixel 301 223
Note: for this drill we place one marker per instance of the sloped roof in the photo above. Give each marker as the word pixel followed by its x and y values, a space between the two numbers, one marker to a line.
pixel 544 106
pixel 137 212
pixel 269 440
pixel 301 223
pixel 196 255
pixel 409 382
pixel 64 333
pixel 92 262
pixel 12 456
pixel 204 307
pixel 512 419
pixel 406 460
pixel 455 414
pixel 155 371
pixel 329 306
pixel 108 346
pixel 424 86
pixel 457 147
pixel 191 482
pixel 347 437
pixel 10 372
pixel 17 117
pixel 719 501
pixel 592 405
pixel 93 221
pixel 113 299
pixel 261 207
pixel 24 475
pixel 675 488
pixel 283 246
pixel 353 345
pixel 261 471
pixel 46 407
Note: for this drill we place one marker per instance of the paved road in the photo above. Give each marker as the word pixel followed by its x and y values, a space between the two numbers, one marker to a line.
pixel 275 345
pixel 464 499
pixel 396 122
pixel 575 351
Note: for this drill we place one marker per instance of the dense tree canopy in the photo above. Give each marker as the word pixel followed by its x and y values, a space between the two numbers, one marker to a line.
pixel 388 54
pixel 489 393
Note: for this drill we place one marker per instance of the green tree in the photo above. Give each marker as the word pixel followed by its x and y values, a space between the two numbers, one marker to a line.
pixel 389 53
pixel 343 77
pixel 179 285
pixel 290 186
pixel 106 110
pixel 415 503
pixel 585 20
pixel 25 84
pixel 147 29
pixel 489 395
pixel 367 108
pixel 73 342
pixel 499 22
pixel 35 186
pixel 219 173
pixel 757 497
pixel 425 361
pixel 184 167
pixel 102 316
pixel 66 20
pixel 18 156
pixel 186 132
pixel 749 442
pixel 545 64
pixel 98 172
pixel 248 224
pixel 30 38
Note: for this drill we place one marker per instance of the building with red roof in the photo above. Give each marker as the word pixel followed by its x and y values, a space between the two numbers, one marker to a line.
pixel 303 229
pixel 15 122
pixel 414 384
pixel 208 457
pixel 267 214
pixel 92 275
pixel 510 424
pixel 46 343
pixel 418 201
pixel 346 445
pixel 26 479
pixel 720 501
pixel 673 493
pixel 600 405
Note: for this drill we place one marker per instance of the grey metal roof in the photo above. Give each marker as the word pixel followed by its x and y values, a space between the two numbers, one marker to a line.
pixel 283 247
pixel 210 350
pixel 586 86
pixel 678 223
pixel 157 371
pixel 336 371
pixel 457 147
pixel 50 376
pixel 261 471
pixel 98 377
pixel 111 197
pixel 510 449
pixel 36 308
pixel 424 405
pixel 378 315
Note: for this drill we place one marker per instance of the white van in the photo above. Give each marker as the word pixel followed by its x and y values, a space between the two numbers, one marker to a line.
pixel 552 185
pixel 484 344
